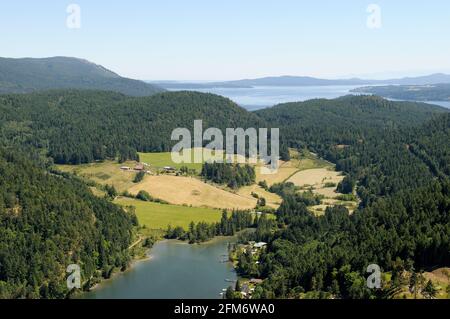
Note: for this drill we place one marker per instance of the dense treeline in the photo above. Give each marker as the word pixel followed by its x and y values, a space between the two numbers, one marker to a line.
pixel 403 223
pixel 367 137
pixel 84 126
pixel 330 254
pixel 234 175
pixel 228 226
pixel 321 125
pixel 48 222
pixel 396 160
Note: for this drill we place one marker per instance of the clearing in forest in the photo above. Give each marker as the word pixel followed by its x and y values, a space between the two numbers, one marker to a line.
pixel 160 216
pixel 104 173
pixel 189 191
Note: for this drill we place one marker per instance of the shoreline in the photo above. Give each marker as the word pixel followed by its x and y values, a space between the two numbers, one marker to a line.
pixel 115 274
pixel 148 257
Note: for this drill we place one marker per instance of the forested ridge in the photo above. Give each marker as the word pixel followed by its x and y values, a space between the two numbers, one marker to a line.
pixel 48 222
pixel 396 153
pixel 29 75
pixel 367 137
pixel 83 126
pixel 403 222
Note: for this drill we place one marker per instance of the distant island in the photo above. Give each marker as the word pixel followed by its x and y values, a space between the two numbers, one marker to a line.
pixel 429 92
pixel 302 81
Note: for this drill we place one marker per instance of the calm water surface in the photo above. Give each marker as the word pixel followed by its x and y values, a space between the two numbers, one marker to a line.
pixel 260 97
pixel 176 270
pixel 265 96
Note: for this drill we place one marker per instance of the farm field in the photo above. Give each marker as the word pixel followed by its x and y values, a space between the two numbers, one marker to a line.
pixel 285 170
pixel 180 190
pixel 315 174
pixel 316 177
pixel 298 162
pixel 441 278
pixel 272 200
pixel 159 216
pixel 189 191
pixel 107 172
pixel 160 160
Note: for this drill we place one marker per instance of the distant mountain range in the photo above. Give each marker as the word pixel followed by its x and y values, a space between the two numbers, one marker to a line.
pixel 29 74
pixel 304 81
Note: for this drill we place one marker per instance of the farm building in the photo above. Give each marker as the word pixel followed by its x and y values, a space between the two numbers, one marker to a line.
pixel 139 167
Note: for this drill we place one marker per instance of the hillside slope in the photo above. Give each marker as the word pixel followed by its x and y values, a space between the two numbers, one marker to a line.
pixel 83 126
pixel 48 222
pixel 29 75
pixel 344 120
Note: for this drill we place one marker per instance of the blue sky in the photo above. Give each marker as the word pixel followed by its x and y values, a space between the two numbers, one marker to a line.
pixel 233 39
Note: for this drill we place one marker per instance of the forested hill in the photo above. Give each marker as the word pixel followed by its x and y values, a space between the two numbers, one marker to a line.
pixel 434 92
pixel 396 153
pixel 83 126
pixel 346 120
pixel 28 75
pixel 402 224
pixel 366 136
pixel 48 222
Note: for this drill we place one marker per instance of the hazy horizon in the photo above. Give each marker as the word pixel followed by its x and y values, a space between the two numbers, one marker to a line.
pixel 211 41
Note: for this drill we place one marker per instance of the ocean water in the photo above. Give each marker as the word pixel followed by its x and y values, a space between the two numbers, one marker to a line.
pixel 266 96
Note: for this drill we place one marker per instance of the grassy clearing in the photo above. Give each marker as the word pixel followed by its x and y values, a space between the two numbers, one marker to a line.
pixel 159 216
pixel 317 174
pixel 160 160
pixel 298 162
pixel 306 160
pixel 107 172
pixel 317 180
pixel 189 191
pixel 285 170
pixel 439 277
pixel 272 200
pixel 317 177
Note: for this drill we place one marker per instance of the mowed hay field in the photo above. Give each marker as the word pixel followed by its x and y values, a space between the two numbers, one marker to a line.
pixel 272 200
pixel 286 170
pixel 189 191
pixel 160 216
pixel 316 177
